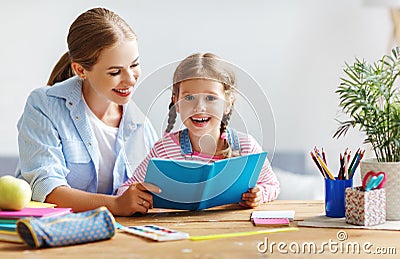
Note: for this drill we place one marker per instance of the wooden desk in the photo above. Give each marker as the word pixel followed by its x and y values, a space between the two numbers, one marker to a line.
pixel 220 220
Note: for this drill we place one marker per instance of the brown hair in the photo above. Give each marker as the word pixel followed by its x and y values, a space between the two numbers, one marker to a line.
pixel 204 66
pixel 90 33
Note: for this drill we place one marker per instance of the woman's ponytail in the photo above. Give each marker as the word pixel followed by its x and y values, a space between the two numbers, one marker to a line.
pixel 61 71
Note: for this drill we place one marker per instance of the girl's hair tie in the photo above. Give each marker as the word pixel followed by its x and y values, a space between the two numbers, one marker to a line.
pixel 224 136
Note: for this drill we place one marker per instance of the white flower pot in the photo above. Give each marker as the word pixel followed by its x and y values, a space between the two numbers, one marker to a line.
pixel 392 186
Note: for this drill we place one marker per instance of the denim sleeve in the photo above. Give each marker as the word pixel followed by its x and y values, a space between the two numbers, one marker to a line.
pixel 42 161
pixel 151 135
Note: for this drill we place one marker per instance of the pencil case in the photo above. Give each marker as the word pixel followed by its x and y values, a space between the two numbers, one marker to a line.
pixel 70 229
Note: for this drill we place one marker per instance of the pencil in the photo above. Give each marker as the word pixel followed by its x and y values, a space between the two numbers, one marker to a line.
pixel 325 167
pixel 362 154
pixel 323 156
pixel 318 165
pixel 359 157
pixel 346 165
pixel 354 159
pixel 240 234
pixel 341 175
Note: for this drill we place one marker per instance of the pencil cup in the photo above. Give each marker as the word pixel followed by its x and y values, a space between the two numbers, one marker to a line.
pixel 335 197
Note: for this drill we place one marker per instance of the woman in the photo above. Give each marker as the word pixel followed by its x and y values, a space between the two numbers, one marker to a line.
pixel 73 133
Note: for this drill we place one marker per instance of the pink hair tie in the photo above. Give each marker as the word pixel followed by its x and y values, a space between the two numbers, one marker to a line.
pixel 224 136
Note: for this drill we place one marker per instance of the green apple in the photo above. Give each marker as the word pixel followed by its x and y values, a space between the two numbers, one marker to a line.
pixel 15 193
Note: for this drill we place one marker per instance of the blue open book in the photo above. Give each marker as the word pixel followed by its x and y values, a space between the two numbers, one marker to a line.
pixel 194 185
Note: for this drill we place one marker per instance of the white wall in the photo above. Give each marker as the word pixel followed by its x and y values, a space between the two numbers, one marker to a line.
pixel 294 49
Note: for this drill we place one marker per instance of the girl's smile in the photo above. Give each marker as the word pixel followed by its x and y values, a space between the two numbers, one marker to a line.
pixel 200 121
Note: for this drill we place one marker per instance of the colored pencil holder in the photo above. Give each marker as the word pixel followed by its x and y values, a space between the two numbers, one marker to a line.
pixel 365 208
pixel 335 197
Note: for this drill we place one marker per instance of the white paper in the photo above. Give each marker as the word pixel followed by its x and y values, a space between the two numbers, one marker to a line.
pixel 268 214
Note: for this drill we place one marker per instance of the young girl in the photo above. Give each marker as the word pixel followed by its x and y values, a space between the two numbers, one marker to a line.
pixel 72 135
pixel 202 94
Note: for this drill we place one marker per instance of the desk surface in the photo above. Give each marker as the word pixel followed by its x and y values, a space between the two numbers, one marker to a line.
pixel 219 220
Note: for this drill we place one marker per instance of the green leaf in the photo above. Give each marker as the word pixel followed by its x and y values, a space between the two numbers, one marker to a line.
pixel 367 94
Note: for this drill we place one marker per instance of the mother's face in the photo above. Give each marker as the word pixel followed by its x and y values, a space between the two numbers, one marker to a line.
pixel 114 75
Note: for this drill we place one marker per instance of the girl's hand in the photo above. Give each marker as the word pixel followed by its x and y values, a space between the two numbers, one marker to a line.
pixel 252 198
pixel 137 198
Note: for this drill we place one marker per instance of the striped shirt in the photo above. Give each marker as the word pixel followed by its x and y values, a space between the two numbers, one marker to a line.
pixel 169 148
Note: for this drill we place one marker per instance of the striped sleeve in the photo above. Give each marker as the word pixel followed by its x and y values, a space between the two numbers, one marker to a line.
pixel 164 148
pixel 267 180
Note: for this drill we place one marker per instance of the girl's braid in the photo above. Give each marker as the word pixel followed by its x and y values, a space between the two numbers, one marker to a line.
pixel 171 116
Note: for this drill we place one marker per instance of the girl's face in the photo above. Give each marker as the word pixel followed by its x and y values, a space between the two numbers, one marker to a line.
pixel 112 78
pixel 201 104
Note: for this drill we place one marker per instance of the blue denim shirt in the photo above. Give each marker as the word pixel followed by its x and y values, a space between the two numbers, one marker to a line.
pixel 57 145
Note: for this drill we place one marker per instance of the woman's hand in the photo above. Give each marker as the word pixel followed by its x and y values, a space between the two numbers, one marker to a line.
pixel 137 198
pixel 252 198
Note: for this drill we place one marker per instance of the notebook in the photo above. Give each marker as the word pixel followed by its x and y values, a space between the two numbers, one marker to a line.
pixel 34 212
pixel 37 204
pixel 194 185
pixel 270 222
pixel 10 236
pixel 8 226
pixel 265 214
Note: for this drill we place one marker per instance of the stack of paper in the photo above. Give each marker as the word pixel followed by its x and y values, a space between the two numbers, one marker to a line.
pixel 272 218
pixel 8 230
pixel 9 218
pixel 37 204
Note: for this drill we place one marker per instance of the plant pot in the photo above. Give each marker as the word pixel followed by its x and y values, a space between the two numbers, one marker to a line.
pixel 392 186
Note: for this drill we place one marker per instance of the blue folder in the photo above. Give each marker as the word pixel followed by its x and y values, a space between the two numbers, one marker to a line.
pixel 194 185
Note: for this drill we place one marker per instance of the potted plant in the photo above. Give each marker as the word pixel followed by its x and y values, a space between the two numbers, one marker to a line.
pixel 369 96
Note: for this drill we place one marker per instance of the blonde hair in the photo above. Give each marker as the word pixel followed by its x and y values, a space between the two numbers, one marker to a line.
pixel 90 33
pixel 204 66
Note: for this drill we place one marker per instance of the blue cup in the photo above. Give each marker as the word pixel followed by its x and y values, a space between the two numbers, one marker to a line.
pixel 335 197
